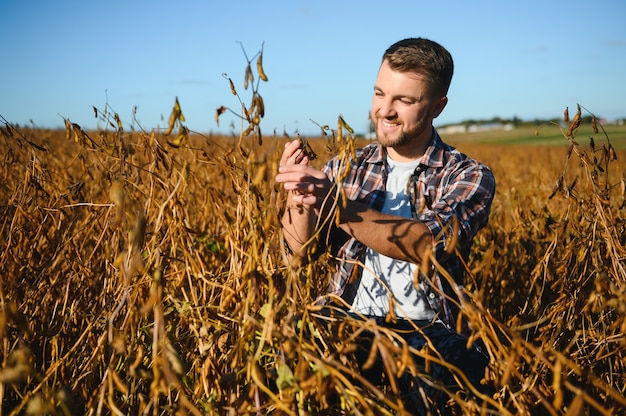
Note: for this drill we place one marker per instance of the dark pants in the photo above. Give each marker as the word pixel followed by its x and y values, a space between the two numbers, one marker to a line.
pixel 422 392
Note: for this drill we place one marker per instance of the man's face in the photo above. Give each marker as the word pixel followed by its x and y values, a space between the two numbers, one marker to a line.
pixel 403 112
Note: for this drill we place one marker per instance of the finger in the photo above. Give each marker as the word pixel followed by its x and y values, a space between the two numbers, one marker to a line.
pixel 292 153
pixel 301 173
pixel 294 158
pixel 302 170
pixel 305 199
pixel 301 187
pixel 294 180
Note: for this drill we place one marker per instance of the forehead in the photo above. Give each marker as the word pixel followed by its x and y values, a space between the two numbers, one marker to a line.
pixel 389 78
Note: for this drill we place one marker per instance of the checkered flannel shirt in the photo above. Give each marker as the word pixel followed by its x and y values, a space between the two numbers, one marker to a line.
pixel 447 184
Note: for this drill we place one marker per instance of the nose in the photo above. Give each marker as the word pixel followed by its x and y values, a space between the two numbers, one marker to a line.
pixel 383 107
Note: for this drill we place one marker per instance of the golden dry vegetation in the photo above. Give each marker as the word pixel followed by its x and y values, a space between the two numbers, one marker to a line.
pixel 144 273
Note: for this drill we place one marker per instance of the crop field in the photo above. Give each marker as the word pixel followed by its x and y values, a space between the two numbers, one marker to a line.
pixel 144 272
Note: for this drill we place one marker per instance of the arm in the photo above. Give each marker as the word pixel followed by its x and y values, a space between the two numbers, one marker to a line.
pixel 298 220
pixel 298 224
pixel 396 237
pixel 393 236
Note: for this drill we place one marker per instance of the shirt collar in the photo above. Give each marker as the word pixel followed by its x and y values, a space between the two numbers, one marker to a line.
pixel 434 155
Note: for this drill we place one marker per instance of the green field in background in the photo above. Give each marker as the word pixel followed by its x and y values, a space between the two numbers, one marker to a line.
pixel 549 135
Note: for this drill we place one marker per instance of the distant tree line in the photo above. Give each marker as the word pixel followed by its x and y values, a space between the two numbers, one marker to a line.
pixel 515 121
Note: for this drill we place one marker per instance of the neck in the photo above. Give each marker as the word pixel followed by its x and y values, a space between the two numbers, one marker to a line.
pixel 409 151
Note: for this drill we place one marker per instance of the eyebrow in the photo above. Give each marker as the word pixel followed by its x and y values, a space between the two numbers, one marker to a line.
pixel 399 96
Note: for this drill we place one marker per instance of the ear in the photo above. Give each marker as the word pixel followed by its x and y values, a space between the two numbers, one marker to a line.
pixel 439 105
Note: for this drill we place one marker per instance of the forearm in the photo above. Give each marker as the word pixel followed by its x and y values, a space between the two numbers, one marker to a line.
pixel 298 224
pixel 396 237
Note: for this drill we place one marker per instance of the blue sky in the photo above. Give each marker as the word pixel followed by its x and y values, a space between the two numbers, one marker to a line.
pixel 529 59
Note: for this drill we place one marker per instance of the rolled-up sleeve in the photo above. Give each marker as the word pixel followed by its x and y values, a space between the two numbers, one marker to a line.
pixel 463 192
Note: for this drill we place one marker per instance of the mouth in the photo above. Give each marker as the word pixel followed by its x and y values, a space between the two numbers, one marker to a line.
pixel 388 124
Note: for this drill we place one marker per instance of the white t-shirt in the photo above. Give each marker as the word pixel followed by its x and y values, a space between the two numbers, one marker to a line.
pixel 384 277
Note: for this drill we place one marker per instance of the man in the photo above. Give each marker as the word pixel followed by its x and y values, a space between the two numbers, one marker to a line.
pixel 412 206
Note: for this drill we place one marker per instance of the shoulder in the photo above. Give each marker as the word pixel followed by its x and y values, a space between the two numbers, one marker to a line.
pixel 455 162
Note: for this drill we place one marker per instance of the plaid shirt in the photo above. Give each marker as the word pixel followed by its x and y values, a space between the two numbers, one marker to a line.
pixel 446 185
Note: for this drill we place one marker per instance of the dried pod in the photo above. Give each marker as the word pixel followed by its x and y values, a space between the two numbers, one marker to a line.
pixel 248 77
pixel 575 123
pixel 342 123
pixel 260 105
pixel 218 112
pixel 306 148
pixel 259 67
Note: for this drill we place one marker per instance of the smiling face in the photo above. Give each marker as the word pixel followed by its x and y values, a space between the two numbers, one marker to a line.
pixel 403 110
